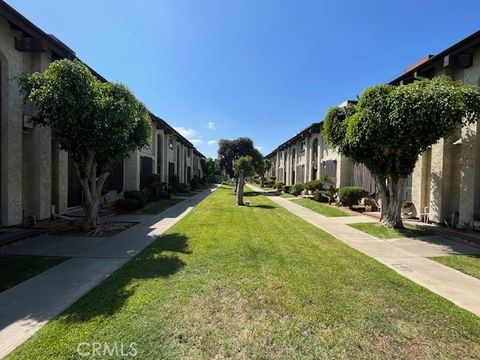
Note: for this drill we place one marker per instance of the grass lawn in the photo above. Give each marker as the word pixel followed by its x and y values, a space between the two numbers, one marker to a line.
pixel 378 230
pixel 17 268
pixel 159 206
pixel 258 282
pixel 287 196
pixel 468 264
pixel 323 209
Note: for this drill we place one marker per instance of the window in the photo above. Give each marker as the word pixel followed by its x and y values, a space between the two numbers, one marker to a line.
pixel 302 146
pixel 170 143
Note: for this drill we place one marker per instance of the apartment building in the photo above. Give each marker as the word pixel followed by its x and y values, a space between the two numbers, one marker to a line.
pixel 34 173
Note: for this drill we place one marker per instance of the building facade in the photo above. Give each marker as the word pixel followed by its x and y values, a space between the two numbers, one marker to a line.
pixel 446 180
pixel 34 173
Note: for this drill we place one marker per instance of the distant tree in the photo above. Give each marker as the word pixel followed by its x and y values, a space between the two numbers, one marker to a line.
pixel 262 168
pixel 391 126
pixel 209 168
pixel 243 167
pixel 230 150
pixel 97 123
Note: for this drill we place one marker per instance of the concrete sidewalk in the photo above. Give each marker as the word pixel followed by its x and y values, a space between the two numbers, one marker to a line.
pixel 406 256
pixel 26 307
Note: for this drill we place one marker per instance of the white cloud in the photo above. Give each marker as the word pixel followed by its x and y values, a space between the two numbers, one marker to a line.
pixel 212 142
pixel 186 132
pixel 259 148
pixel 211 125
pixel 190 134
pixel 196 142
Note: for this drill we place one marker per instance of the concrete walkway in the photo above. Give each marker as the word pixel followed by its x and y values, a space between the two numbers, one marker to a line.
pixel 26 307
pixel 407 257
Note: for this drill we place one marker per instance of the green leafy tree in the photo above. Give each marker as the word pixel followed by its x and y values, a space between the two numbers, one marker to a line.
pixel 97 123
pixel 243 167
pixel 230 150
pixel 262 168
pixel 209 168
pixel 391 126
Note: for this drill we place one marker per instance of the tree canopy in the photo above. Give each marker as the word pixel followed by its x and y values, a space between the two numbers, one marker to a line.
pixel 230 150
pixel 392 125
pixel 96 122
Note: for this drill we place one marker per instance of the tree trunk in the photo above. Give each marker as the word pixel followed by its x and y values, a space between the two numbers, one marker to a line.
pixel 92 185
pixel 391 190
pixel 236 184
pixel 262 181
pixel 241 184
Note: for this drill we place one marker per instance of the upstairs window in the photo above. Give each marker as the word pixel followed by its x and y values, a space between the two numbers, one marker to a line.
pixel 302 146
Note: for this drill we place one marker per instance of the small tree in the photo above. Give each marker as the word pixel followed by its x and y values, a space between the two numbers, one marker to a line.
pixel 209 168
pixel 97 123
pixel 243 166
pixel 391 126
pixel 262 168
pixel 230 150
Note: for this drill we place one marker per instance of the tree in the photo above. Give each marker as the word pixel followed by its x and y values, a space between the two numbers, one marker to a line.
pixel 230 150
pixel 209 168
pixel 262 168
pixel 96 123
pixel 243 166
pixel 391 126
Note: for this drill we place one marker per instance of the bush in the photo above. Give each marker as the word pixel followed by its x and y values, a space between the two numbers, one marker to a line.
pixel 314 185
pixel 321 196
pixel 195 183
pixel 286 188
pixel 136 195
pixel 132 200
pixel 279 185
pixel 269 183
pixel 125 205
pixel 351 195
pixel 159 191
pixel 297 189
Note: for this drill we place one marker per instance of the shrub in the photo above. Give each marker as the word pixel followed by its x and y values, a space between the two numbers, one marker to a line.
pixel 139 196
pixel 269 183
pixel 321 196
pixel 286 188
pixel 296 189
pixel 125 205
pixel 132 200
pixel 183 188
pixel 351 195
pixel 279 185
pixel 314 185
pixel 159 191
pixel 195 183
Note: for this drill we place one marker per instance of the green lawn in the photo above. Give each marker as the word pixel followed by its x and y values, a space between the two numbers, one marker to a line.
pixel 378 230
pixel 159 206
pixel 287 196
pixel 321 208
pixel 15 269
pixel 468 264
pixel 256 282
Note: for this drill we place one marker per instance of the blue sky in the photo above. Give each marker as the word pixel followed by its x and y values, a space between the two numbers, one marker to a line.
pixel 259 68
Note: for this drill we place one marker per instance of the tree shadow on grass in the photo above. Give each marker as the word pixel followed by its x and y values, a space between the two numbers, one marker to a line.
pixel 263 206
pixel 155 262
